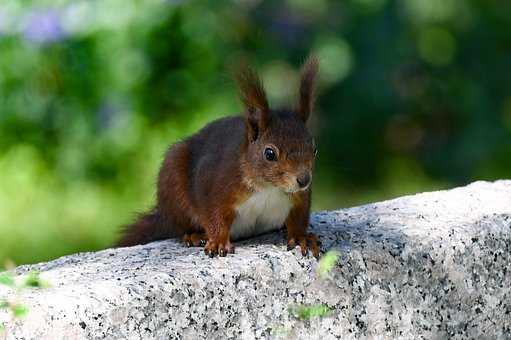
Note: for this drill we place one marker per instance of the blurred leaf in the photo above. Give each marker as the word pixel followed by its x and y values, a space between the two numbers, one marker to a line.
pixel 6 279
pixel 327 262
pixel 307 312
pixel 4 304
pixel 33 280
pixel 19 311
pixel 9 264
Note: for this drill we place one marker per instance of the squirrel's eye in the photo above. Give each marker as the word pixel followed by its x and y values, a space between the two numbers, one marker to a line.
pixel 270 154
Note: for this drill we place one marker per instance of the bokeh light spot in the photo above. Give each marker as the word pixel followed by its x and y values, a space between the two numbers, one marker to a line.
pixel 78 17
pixel 316 7
pixel 280 81
pixel 437 46
pixel 431 10
pixel 336 59
pixel 370 5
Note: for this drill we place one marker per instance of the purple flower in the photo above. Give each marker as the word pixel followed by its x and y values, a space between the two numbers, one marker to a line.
pixel 43 26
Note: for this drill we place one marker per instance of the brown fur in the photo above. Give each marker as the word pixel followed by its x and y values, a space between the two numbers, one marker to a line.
pixel 205 177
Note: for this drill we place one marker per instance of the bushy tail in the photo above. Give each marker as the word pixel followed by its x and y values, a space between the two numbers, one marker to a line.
pixel 148 227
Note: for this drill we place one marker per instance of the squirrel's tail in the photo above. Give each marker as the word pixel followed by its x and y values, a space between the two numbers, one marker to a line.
pixel 148 227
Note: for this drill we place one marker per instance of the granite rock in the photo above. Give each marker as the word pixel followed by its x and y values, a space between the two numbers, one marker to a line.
pixel 433 266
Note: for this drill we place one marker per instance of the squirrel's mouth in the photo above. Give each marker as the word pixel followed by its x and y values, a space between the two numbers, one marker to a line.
pixel 288 185
pixel 293 189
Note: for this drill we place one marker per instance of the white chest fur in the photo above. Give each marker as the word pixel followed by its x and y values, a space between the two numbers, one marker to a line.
pixel 265 210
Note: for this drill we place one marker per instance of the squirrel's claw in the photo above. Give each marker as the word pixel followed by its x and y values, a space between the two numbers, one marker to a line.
pixel 306 243
pixel 212 248
pixel 222 252
pixel 195 239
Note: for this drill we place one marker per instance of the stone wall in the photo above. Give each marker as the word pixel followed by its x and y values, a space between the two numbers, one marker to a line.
pixel 433 265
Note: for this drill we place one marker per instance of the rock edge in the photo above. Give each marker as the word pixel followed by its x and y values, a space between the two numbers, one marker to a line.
pixel 432 265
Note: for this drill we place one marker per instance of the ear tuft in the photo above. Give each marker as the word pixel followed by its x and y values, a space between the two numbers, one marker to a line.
pixel 307 87
pixel 254 98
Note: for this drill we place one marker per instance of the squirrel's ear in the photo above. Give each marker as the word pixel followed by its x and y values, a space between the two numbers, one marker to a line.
pixel 307 87
pixel 254 99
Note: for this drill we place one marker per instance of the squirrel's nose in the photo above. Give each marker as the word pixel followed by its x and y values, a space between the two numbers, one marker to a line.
pixel 303 179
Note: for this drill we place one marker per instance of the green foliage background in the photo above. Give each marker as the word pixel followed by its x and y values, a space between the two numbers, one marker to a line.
pixel 414 95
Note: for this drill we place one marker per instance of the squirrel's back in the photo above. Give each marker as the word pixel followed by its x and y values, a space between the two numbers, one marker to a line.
pixel 220 141
pixel 190 168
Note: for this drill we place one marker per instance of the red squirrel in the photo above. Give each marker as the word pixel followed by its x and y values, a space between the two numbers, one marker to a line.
pixel 238 176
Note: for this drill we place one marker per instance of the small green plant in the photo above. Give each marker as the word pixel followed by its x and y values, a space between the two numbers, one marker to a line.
pixel 33 280
pixel 13 306
pixel 7 280
pixel 306 312
pixel 327 263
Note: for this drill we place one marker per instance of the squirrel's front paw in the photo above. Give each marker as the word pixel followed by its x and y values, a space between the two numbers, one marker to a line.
pixel 195 239
pixel 213 248
pixel 306 242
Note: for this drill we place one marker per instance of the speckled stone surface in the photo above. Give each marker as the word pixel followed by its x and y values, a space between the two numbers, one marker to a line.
pixel 431 266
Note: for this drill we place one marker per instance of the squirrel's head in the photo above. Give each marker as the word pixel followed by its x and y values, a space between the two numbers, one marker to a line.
pixel 279 149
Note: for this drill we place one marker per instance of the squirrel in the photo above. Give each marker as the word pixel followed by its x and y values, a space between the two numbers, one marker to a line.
pixel 238 176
